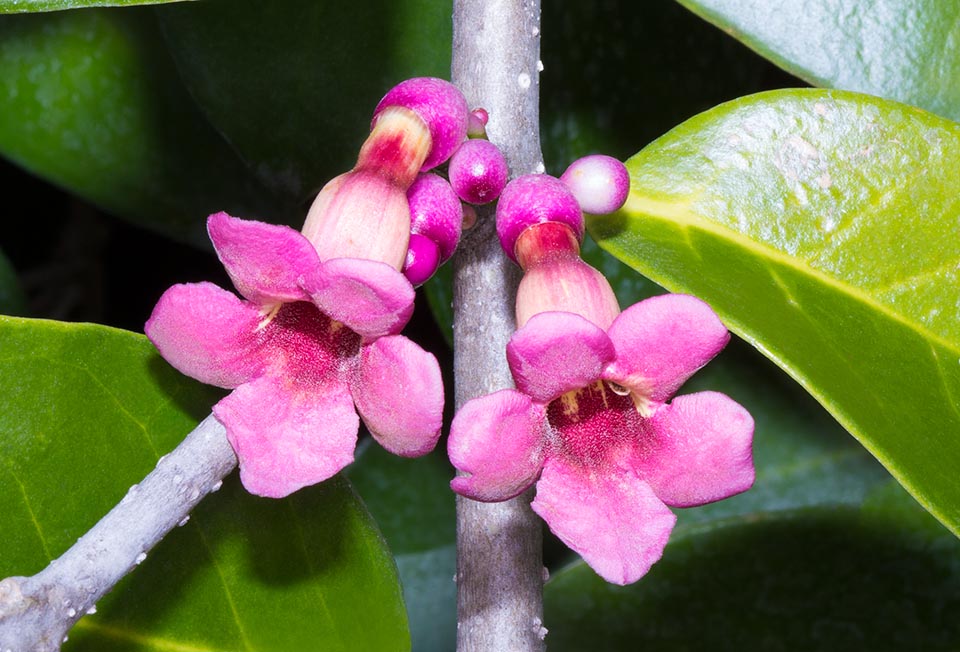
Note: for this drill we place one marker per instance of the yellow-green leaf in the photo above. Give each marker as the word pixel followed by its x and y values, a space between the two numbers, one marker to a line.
pixel 822 226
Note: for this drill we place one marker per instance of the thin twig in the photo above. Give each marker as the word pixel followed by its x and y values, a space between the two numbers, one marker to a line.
pixel 37 612
pixel 496 48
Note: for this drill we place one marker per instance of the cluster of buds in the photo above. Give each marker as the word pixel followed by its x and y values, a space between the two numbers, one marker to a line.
pixel 391 207
pixel 440 209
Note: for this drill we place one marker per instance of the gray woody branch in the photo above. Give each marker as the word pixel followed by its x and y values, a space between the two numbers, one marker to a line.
pixel 37 612
pixel 496 47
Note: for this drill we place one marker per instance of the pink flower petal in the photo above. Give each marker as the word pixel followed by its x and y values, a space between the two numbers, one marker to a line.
pixel 399 393
pixel 207 333
pixel 264 261
pixel 611 517
pixel 662 341
pixel 556 352
pixel 497 441
pixel 369 297
pixel 287 438
pixel 698 450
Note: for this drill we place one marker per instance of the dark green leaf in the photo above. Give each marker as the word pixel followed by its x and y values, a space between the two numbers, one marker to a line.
pixel 12 301
pixel 821 226
pixel 292 83
pixel 906 50
pixel 845 579
pixel 31 6
pixel 91 101
pixel 412 503
pixel 86 412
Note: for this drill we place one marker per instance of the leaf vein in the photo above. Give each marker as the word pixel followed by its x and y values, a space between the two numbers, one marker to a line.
pixel 226 589
pixel 312 569
pixel 686 218
pixel 120 634
pixel 33 516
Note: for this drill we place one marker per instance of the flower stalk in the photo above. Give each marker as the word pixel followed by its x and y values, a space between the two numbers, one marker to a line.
pixel 499 567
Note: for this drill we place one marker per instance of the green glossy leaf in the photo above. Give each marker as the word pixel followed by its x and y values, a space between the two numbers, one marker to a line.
pixel 12 300
pixel 821 226
pixel 86 412
pixel 292 83
pixel 802 455
pixel 91 101
pixel 885 577
pixel 32 6
pixel 906 50
pixel 416 511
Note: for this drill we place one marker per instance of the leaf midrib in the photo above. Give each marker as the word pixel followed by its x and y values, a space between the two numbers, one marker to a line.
pixel 680 214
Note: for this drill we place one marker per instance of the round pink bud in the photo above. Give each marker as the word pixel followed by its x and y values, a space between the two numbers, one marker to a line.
pixel 478 171
pixel 436 213
pixel 423 259
pixel 534 199
pixel 600 183
pixel 440 105
pixel 477 124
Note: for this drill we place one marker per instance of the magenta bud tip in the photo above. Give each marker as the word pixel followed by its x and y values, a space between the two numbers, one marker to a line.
pixel 477 124
pixel 478 171
pixel 534 199
pixel 423 259
pixel 435 212
pixel 440 105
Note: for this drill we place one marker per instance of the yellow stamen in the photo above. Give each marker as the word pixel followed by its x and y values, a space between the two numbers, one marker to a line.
pixel 268 312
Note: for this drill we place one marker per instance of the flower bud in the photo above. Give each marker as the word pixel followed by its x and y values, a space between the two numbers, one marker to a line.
pixel 477 123
pixel 600 183
pixel 478 171
pixel 534 199
pixel 423 259
pixel 436 215
pixel 435 212
pixel 440 105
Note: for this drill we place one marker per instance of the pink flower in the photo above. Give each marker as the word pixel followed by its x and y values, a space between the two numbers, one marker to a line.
pixel 590 422
pixel 590 419
pixel 312 344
